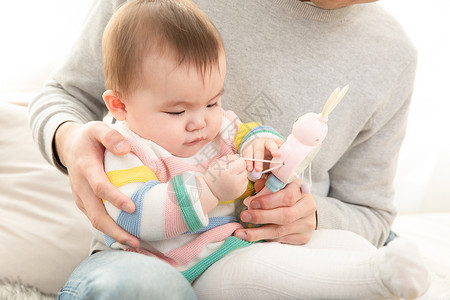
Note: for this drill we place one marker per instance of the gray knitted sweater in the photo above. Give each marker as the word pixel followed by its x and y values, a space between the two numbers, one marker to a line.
pixel 284 58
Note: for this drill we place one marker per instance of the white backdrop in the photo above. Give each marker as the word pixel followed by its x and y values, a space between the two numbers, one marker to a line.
pixel 423 179
pixel 35 35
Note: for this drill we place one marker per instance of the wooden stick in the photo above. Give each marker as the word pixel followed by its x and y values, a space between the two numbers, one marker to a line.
pixel 262 160
pixel 268 170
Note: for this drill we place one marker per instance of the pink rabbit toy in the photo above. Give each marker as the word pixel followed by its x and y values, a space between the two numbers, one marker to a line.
pixel 301 146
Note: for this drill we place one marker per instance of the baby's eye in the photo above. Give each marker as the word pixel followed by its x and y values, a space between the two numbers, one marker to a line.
pixel 176 113
pixel 211 105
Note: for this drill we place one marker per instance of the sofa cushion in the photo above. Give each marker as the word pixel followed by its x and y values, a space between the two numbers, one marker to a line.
pixel 43 234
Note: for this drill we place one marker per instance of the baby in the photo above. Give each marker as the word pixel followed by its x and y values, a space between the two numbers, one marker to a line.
pixel 165 68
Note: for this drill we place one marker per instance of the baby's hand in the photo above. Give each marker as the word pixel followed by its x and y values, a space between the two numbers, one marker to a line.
pixel 227 178
pixel 264 149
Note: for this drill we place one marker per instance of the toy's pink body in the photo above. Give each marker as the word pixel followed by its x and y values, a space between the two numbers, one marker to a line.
pixel 300 147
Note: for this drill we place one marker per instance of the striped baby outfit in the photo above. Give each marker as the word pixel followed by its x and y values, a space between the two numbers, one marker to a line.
pixel 168 219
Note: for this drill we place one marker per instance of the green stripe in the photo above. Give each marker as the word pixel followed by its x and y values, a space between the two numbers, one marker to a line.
pixel 231 243
pixel 250 134
pixel 184 202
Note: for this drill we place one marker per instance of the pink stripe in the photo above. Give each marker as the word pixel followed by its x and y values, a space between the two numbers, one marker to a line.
pixel 228 146
pixel 158 255
pixel 174 224
pixel 234 121
pixel 140 153
pixel 172 166
pixel 231 116
pixel 176 167
pixel 168 167
pixel 184 254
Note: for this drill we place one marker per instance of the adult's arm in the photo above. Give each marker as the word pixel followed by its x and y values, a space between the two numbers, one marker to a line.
pixel 73 91
pixel 361 193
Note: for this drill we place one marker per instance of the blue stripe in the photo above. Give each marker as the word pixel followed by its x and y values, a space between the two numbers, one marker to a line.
pixel 215 222
pixel 108 240
pixel 132 222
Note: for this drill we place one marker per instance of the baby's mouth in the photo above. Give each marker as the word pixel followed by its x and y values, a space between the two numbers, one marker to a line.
pixel 197 140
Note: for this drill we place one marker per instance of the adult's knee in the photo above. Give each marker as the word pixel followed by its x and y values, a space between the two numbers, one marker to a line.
pixel 133 276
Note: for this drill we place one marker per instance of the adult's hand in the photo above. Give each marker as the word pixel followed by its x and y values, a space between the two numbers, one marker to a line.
pixel 289 215
pixel 81 149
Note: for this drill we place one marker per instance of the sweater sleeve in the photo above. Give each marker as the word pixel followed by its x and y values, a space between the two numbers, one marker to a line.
pixel 248 132
pixel 163 209
pixel 74 90
pixel 361 190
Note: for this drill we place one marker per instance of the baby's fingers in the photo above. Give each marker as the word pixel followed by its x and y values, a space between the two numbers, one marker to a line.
pixel 248 153
pixel 258 153
pixel 238 166
pixel 273 147
pixel 279 142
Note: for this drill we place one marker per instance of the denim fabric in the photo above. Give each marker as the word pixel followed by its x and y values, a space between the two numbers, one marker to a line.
pixel 114 274
pixel 392 235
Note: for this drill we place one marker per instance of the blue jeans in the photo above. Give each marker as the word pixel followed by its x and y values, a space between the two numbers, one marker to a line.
pixel 125 275
pixel 392 236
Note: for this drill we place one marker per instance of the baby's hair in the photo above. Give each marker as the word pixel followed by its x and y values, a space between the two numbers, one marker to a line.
pixel 174 28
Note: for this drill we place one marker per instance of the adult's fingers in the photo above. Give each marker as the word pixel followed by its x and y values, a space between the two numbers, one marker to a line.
pixel 111 139
pixel 100 220
pixel 280 215
pixel 104 189
pixel 283 198
pixel 89 170
pixel 260 183
pixel 94 209
pixel 91 167
pixel 294 239
pixel 297 232
pixel 279 233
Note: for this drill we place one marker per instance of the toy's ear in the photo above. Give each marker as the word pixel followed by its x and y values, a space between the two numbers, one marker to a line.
pixel 334 99
pixel 115 105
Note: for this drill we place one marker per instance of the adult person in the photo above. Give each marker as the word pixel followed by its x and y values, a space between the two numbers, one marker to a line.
pixel 284 58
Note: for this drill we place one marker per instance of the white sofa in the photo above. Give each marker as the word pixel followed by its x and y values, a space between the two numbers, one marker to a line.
pixel 44 236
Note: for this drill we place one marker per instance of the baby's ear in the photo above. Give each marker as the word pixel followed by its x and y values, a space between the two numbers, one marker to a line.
pixel 115 105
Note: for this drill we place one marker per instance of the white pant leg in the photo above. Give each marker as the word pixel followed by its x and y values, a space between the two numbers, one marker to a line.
pixel 334 265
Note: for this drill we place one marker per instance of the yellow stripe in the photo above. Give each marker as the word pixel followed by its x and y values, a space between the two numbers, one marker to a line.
pixel 249 192
pixel 137 174
pixel 244 128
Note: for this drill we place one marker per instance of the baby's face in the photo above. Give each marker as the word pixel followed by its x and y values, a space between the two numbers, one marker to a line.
pixel 176 107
